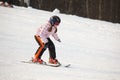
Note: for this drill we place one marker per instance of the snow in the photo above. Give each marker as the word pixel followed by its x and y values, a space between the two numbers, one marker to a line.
pixel 92 47
pixel 56 11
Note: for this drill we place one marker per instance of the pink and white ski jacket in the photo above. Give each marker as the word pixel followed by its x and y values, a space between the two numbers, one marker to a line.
pixel 44 33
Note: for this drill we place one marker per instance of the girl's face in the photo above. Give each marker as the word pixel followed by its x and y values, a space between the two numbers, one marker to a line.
pixel 56 24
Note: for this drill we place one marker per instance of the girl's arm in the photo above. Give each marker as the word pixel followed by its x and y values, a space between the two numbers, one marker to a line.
pixel 56 37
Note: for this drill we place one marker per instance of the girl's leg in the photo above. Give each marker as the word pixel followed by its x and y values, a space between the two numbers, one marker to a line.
pixel 51 48
pixel 41 49
pixel 52 52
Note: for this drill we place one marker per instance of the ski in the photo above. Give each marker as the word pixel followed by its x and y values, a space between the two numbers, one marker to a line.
pixel 47 64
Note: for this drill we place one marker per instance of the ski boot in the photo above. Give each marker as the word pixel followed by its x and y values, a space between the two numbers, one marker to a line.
pixel 53 61
pixel 40 61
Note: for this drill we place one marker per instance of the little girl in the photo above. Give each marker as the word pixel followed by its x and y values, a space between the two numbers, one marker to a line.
pixel 43 39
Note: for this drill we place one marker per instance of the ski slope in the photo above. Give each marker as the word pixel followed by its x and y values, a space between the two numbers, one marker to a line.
pixel 92 47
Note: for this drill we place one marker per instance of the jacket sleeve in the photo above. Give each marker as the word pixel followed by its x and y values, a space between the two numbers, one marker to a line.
pixel 55 35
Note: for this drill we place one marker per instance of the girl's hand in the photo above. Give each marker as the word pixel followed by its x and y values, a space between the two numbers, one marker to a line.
pixel 59 40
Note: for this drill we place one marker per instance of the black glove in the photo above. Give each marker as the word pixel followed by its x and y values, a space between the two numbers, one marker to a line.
pixel 59 40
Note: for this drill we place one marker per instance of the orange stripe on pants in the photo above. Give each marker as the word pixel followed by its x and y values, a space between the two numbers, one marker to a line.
pixel 41 46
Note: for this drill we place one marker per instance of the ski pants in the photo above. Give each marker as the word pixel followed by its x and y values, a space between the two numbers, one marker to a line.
pixel 50 45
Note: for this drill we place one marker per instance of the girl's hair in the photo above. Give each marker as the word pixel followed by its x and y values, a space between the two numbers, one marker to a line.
pixel 50 29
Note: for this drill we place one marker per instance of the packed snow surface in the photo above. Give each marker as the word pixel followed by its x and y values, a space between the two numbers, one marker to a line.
pixel 92 47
